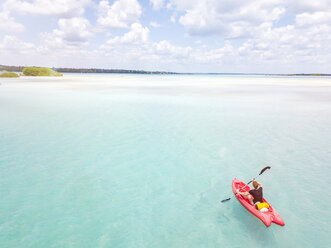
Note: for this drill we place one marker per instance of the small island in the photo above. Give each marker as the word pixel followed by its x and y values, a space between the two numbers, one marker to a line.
pixel 9 74
pixel 40 71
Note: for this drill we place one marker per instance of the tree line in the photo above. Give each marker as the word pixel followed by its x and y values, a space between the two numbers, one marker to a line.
pixel 84 70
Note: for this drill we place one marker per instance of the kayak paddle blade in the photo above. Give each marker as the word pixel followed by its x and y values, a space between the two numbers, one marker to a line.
pixel 264 169
pixel 226 200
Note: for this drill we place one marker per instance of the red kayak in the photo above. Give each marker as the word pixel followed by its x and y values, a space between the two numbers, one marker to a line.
pixel 266 217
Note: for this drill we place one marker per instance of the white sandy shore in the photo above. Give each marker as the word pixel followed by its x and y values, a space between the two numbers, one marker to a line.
pixel 134 80
pixel 177 84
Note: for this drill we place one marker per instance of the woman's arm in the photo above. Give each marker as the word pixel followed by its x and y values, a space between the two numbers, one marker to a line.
pixel 260 184
pixel 242 193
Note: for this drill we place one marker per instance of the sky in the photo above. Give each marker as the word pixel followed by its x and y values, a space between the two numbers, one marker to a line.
pixel 230 36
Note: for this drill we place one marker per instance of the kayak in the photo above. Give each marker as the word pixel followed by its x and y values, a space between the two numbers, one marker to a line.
pixel 266 217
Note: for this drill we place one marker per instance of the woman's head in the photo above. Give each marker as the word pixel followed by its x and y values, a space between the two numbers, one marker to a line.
pixel 255 184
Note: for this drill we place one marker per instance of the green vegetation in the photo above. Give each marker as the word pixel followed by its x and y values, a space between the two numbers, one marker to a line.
pixel 40 71
pixel 9 74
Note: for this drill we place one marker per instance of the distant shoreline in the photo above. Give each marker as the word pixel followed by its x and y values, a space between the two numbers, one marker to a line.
pixel 125 71
pixel 86 70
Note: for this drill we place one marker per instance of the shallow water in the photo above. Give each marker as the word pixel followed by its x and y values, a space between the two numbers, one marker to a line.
pixel 114 161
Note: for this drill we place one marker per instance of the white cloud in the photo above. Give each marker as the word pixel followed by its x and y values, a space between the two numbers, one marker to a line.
pixel 231 19
pixel 74 29
pixel 235 18
pixel 155 24
pixel 13 44
pixel 305 42
pixel 289 46
pixel 173 19
pixel 135 47
pixel 71 32
pixel 8 23
pixel 157 4
pixel 217 56
pixel 120 14
pixel 268 43
pixel 315 18
pixel 300 6
pixel 61 8
pixel 166 47
pixel 282 49
pixel 137 35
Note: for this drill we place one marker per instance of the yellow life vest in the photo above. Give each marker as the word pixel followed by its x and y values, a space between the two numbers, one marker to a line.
pixel 262 205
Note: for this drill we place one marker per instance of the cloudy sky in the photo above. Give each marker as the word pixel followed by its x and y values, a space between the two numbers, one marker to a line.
pixel 263 36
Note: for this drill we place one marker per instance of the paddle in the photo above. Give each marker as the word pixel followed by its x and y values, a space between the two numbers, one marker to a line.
pixel 263 170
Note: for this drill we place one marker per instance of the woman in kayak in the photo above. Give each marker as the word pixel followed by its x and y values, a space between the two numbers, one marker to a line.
pixel 254 195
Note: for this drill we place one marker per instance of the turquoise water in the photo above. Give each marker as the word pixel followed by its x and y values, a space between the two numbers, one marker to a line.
pixel 148 166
